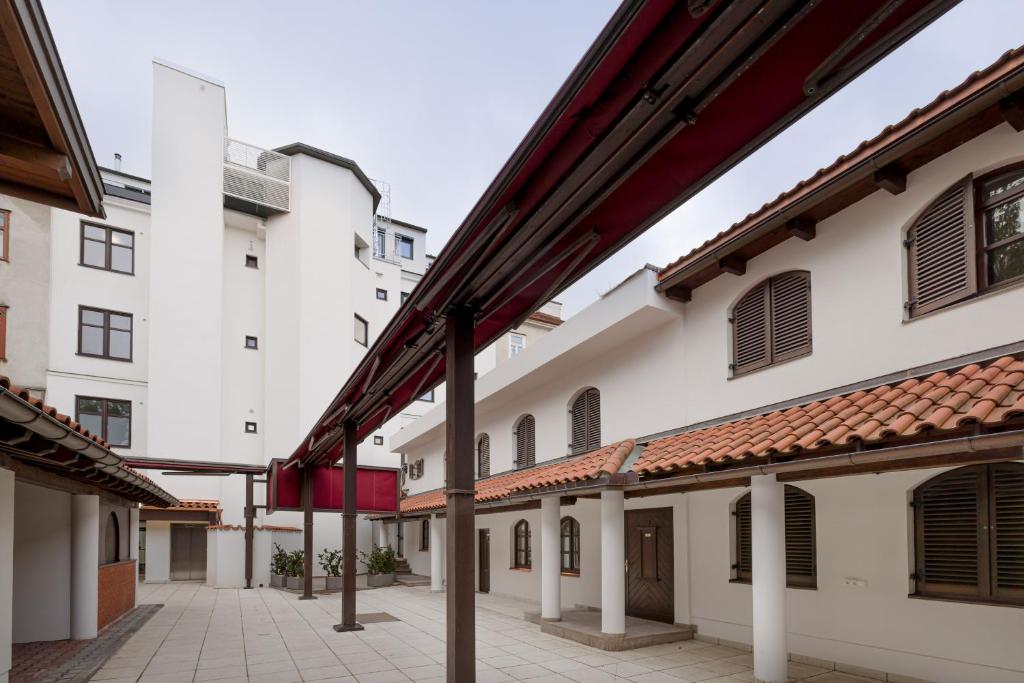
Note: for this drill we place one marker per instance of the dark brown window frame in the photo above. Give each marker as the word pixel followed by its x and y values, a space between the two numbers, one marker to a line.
pixel 109 246
pixel 5 243
pixel 401 240
pixel 569 529
pixel 252 261
pixel 522 553
pixel 981 208
pixel 986 591
pixel 106 334
pixel 255 342
pixel 425 535
pixel 587 421
pixel 254 430
pixel 770 360
pixel 112 540
pixel 105 415
pixel 366 331
pixel 381 291
pixel 378 440
pixel 523 447
pixel 4 312
pixel 741 575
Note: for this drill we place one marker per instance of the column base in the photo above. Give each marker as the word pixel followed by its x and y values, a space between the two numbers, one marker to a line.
pixel 551 619
pixel 307 597
pixel 342 628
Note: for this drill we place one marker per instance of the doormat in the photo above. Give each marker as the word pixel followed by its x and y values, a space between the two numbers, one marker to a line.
pixel 375 618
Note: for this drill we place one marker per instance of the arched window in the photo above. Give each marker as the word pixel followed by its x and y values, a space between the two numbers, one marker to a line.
pixel 969 239
pixel 969 534
pixel 772 322
pixel 112 540
pixel 801 555
pixel 521 556
pixel 585 422
pixel 570 545
pixel 483 456
pixel 526 442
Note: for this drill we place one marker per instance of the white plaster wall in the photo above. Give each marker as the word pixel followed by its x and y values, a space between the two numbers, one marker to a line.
pixel 158 552
pixel 42 564
pixel 186 280
pixel 863 527
pixel 25 288
pixel 6 569
pixel 62 389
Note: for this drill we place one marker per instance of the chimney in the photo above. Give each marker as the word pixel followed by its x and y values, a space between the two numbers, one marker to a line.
pixel 117 161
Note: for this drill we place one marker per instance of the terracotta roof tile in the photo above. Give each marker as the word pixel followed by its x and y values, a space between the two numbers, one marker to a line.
pixel 240 527
pixel 195 504
pixel 593 465
pixel 545 318
pixel 988 394
pixel 918 118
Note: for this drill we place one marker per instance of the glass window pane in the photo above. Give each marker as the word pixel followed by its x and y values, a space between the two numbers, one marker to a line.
pixel 92 340
pixel 125 239
pixel 121 259
pixel 94 233
pixel 1006 262
pixel 94 423
pixel 120 344
pixel 120 322
pixel 119 408
pixel 94 254
pixel 1005 221
pixel 92 317
pixel 118 430
pixel 405 247
pixel 89 405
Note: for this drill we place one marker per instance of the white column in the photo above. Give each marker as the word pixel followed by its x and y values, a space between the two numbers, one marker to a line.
pixel 768 566
pixel 613 563
pixel 133 545
pixel 6 570
pixel 85 565
pixel 382 534
pixel 436 555
pixel 550 560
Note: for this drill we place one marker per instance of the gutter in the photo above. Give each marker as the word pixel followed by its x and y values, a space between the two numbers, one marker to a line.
pixel 970 444
pixel 21 412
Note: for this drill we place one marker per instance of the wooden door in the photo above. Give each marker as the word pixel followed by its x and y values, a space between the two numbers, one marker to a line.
pixel 485 560
pixel 649 569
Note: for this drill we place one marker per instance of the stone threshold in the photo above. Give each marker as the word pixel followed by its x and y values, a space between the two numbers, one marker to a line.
pixel 584 626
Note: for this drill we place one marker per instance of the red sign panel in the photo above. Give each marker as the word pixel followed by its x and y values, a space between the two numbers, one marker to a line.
pixel 376 488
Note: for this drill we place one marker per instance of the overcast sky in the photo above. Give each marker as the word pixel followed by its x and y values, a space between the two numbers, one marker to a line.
pixel 434 96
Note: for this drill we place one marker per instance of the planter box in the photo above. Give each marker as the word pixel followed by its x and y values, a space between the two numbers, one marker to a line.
pixel 334 583
pixel 277 580
pixel 294 583
pixel 379 580
pixel 319 583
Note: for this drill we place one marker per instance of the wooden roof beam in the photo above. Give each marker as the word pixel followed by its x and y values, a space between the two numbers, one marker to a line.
pixel 802 227
pixel 891 178
pixel 733 263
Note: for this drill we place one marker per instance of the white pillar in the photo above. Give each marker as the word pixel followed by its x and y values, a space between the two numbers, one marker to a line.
pixel 6 570
pixel 382 534
pixel 768 567
pixel 436 555
pixel 85 565
pixel 133 545
pixel 550 560
pixel 613 563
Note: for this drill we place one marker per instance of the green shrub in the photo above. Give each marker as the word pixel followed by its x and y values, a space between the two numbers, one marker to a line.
pixel 296 559
pixel 379 561
pixel 330 562
pixel 279 560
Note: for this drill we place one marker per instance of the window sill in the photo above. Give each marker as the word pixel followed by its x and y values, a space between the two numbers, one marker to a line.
pixel 93 355
pixel 574 575
pixel 744 582
pixel 745 373
pixel 107 270
pixel 963 600
pixel 995 290
pixel 525 570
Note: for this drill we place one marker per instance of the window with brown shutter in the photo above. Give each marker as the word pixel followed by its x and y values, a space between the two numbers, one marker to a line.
pixel 772 322
pixel 483 456
pixel 3 332
pixel 585 421
pixel 526 442
pixel 969 534
pixel 801 548
pixel 424 535
pixel 522 557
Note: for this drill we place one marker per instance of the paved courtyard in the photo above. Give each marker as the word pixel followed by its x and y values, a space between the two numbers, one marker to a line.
pixel 265 635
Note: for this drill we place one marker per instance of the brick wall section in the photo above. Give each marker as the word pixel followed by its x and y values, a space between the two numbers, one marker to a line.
pixel 117 590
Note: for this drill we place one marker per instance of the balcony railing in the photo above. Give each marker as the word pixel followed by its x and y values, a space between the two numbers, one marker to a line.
pixel 387 245
pixel 256 175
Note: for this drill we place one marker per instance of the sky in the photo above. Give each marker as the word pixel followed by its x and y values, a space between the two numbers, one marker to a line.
pixel 433 97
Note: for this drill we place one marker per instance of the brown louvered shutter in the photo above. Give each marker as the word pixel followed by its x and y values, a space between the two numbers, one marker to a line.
pixel 949 517
pixel 790 315
pixel 940 251
pixel 750 323
pixel 593 419
pixel 579 424
pixel 1007 506
pixel 483 456
pixel 586 422
pixel 526 443
pixel 801 557
pixel 743 543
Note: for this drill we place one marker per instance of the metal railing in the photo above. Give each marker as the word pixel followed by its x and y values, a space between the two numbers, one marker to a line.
pixel 257 175
pixel 386 245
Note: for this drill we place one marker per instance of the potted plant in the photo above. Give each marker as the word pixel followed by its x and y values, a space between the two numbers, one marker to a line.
pixel 330 562
pixel 278 566
pixel 380 566
pixel 294 571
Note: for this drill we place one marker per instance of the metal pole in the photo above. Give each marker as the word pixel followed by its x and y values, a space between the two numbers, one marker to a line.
pixel 250 513
pixel 348 535
pixel 459 408
pixel 307 538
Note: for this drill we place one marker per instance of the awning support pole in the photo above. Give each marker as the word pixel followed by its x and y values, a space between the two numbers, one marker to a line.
pixel 307 534
pixel 348 534
pixel 460 525
pixel 250 513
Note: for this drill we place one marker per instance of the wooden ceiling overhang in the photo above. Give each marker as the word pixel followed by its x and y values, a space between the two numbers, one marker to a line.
pixel 45 155
pixel 669 97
